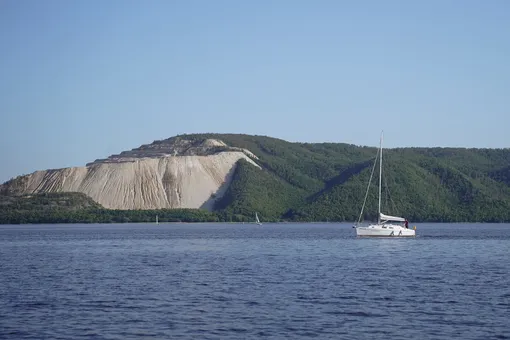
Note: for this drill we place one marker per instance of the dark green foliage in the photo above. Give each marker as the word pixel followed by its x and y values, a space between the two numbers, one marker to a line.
pixel 78 208
pixel 255 190
pixel 501 175
pixel 48 201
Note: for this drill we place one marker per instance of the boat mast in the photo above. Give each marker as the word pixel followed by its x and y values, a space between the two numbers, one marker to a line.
pixel 380 179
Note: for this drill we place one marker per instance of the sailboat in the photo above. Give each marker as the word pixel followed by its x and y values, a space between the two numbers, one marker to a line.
pixel 157 220
pixel 257 221
pixel 385 226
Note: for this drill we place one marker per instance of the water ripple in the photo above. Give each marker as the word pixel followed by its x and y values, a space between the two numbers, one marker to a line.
pixel 246 282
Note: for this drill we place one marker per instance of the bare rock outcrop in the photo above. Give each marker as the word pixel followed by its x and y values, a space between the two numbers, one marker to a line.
pixel 176 173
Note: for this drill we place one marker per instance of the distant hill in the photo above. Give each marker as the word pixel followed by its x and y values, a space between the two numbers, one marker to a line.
pixel 181 173
pixel 293 181
pixel 48 201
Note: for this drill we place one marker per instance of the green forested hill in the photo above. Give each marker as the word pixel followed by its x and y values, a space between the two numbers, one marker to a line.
pixel 328 181
pixel 323 182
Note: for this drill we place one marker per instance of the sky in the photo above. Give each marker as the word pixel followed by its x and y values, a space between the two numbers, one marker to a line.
pixel 84 79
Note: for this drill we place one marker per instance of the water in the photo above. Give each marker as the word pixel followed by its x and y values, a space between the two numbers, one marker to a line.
pixel 285 281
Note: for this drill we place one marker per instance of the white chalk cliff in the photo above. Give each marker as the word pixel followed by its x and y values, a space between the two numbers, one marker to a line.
pixel 173 173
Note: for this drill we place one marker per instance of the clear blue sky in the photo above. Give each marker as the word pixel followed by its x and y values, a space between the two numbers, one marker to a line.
pixel 83 79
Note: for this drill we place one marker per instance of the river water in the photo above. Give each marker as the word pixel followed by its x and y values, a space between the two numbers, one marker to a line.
pixel 243 281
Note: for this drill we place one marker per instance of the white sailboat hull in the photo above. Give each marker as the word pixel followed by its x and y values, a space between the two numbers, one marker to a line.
pixel 385 230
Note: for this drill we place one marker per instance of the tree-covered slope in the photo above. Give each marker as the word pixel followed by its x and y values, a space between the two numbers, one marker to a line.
pixel 48 201
pixel 328 181
pixel 254 190
pixel 70 207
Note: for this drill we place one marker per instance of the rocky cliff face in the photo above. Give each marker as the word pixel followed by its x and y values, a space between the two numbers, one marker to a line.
pixel 174 173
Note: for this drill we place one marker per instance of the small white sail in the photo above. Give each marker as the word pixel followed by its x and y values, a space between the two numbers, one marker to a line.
pixel 257 219
pixel 391 218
